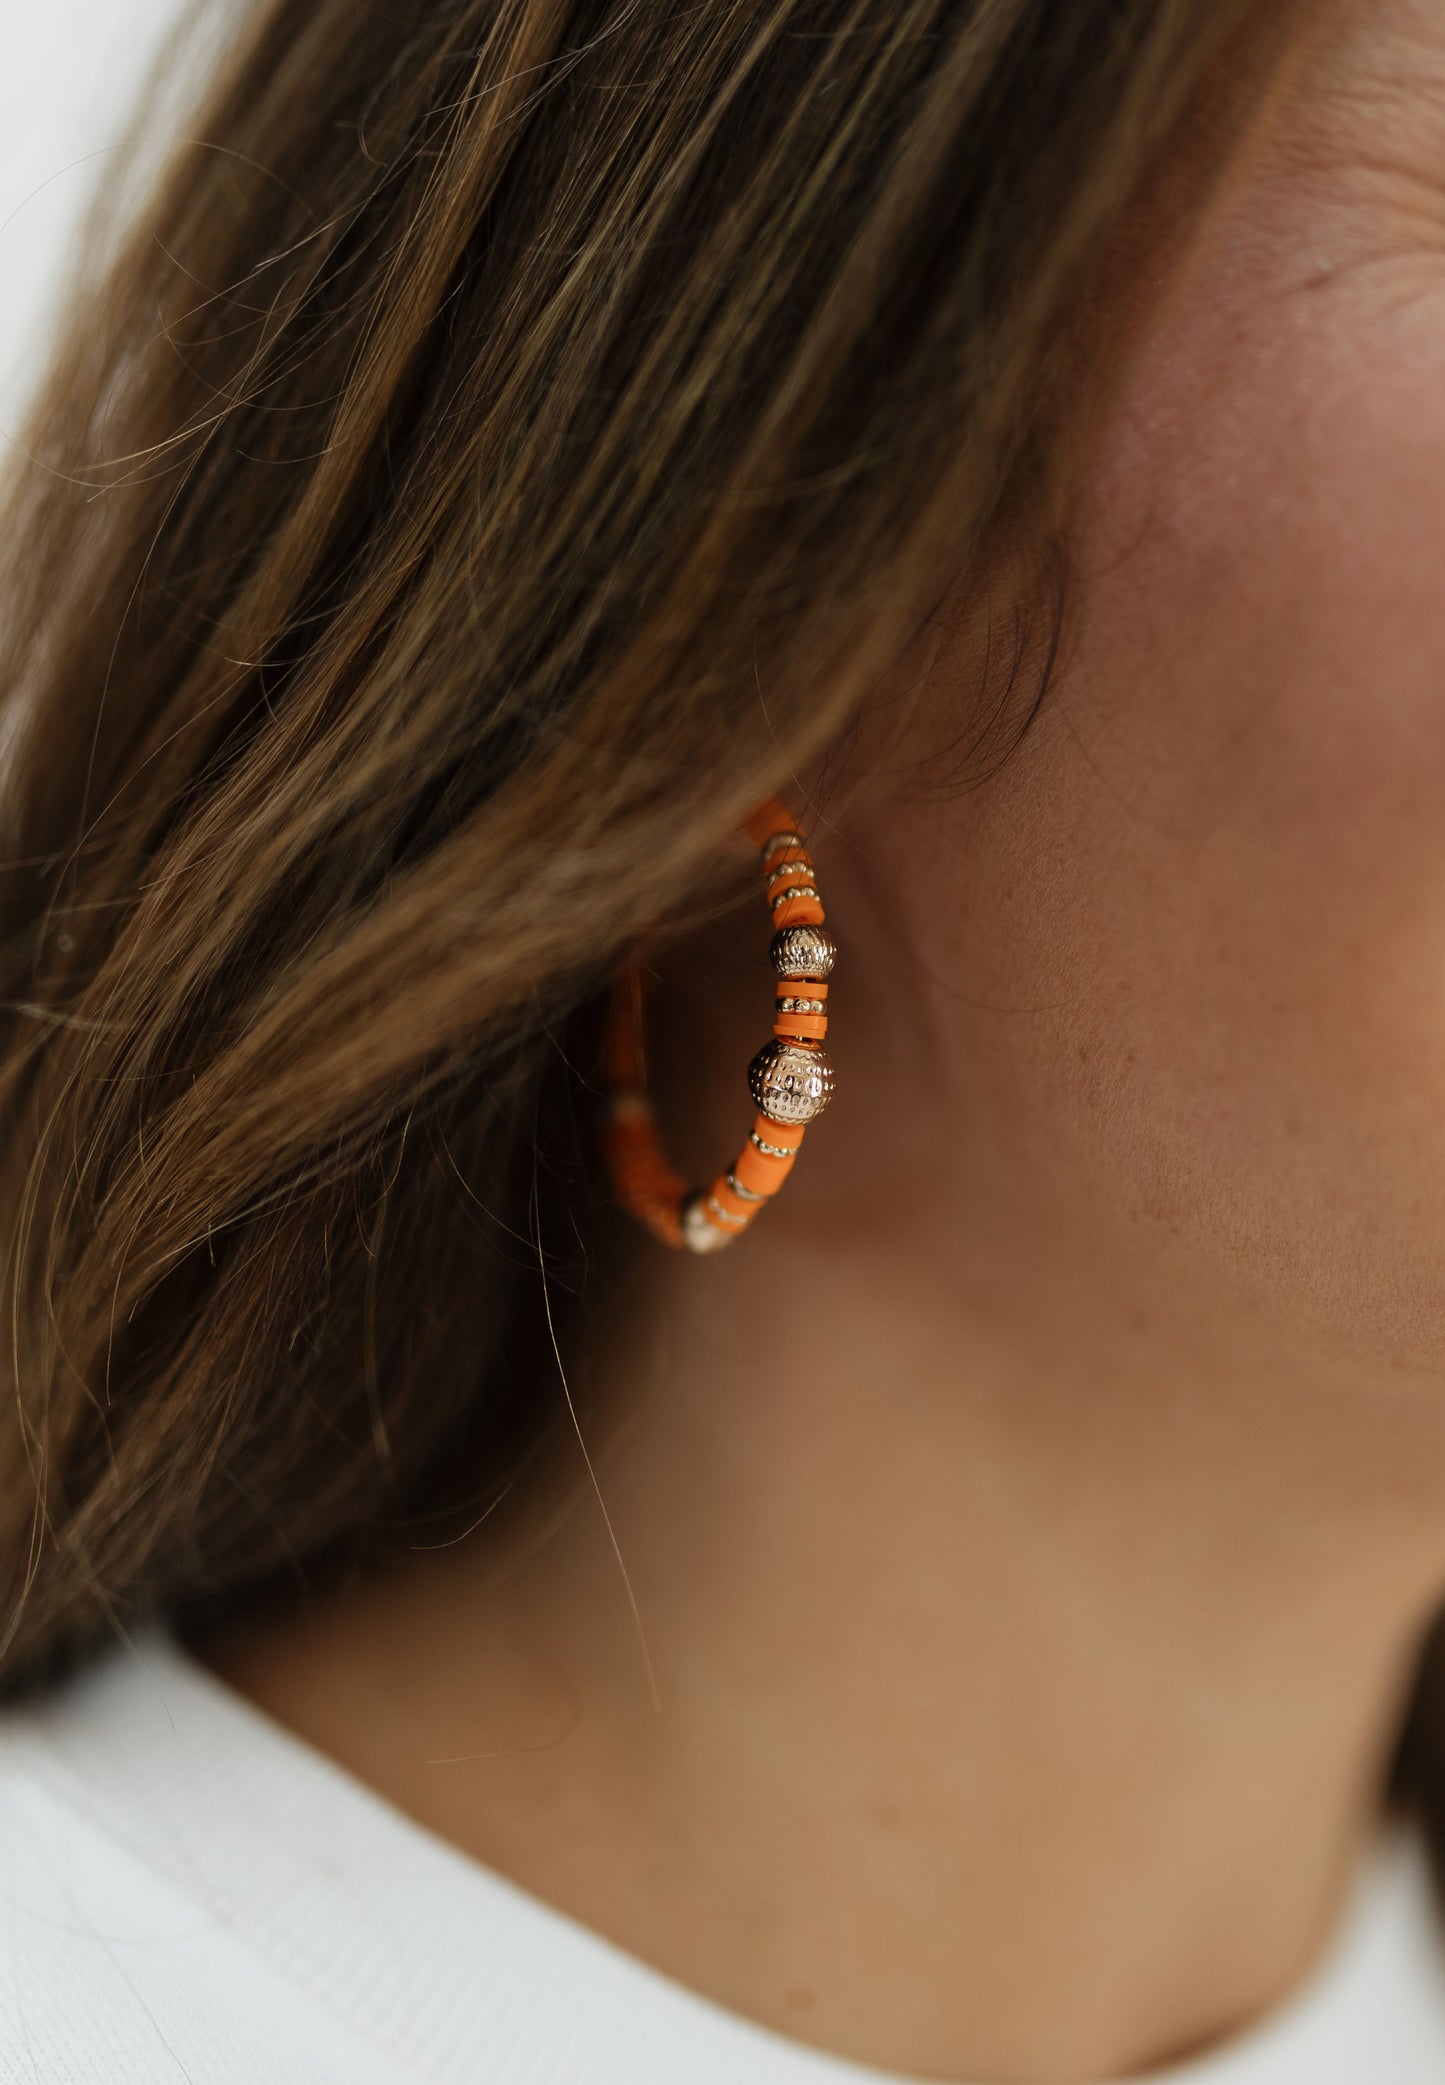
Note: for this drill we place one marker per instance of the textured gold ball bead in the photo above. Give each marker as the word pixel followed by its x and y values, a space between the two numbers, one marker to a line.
pixel 698 1235
pixel 790 1082
pixel 803 952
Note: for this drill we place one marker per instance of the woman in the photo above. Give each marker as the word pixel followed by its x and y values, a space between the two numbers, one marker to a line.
pixel 977 1625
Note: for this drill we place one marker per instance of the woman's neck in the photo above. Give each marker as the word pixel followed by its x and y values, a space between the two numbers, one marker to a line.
pixel 943 1684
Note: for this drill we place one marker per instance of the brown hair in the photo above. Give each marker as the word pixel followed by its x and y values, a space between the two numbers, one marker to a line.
pixel 515 435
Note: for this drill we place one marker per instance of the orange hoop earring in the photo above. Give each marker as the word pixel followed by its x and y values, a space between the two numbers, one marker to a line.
pixel 791 1079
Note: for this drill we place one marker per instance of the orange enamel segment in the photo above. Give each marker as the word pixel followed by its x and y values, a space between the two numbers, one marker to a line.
pixel 799 912
pixel 790 858
pixel 656 1203
pixel 784 1136
pixel 732 1204
pixel 642 1185
pixel 664 1223
pixel 644 1181
pixel 760 1171
pixel 795 875
pixel 642 1197
pixel 801 1027
pixel 752 1168
pixel 771 816
pixel 802 988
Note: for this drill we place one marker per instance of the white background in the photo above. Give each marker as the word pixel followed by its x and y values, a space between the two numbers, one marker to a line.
pixel 69 71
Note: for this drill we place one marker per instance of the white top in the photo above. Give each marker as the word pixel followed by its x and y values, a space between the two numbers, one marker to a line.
pixel 187 1892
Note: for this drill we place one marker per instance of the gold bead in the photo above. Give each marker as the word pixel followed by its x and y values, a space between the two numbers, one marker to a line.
pixel 803 952
pixel 791 1082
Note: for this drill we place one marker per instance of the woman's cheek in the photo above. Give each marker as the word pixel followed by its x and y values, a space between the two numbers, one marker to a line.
pixel 1247 766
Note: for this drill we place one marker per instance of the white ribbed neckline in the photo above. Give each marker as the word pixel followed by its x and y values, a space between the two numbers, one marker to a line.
pixel 467 1980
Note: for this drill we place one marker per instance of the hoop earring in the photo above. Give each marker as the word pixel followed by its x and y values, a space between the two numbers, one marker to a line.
pixel 790 1079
